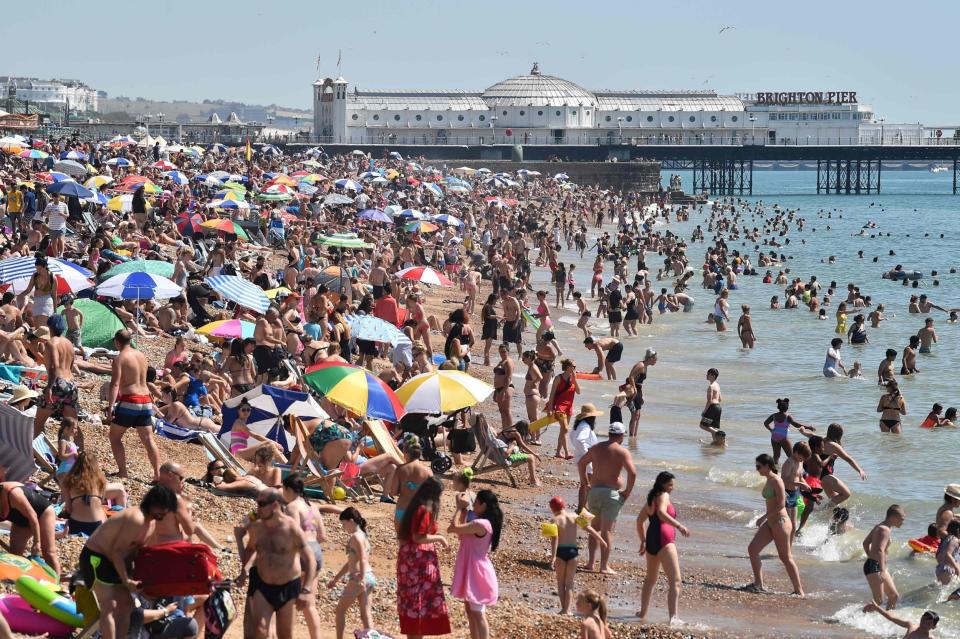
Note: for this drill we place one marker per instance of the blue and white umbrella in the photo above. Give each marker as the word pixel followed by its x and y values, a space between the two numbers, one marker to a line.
pixel 119 162
pixel 411 214
pixel 375 215
pixel 218 148
pixel 497 182
pixel 240 291
pixel 306 188
pixel 561 177
pixel 269 149
pixel 369 175
pixel 14 268
pixel 139 286
pixel 229 205
pixel 268 404
pixel 458 188
pixel 178 177
pixel 349 185
pixel 434 189
pixel 373 329
pixel 57 176
pixel 68 188
pixel 200 177
pixel 97 198
pixel 449 220
pixel 73 155
pixel 335 199
pixel 483 170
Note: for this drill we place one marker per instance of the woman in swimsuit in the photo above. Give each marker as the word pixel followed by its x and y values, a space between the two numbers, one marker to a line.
pixel 488 315
pixel 240 435
pixel 656 527
pixel 360 578
pixel 632 314
pixel 176 413
pixel 30 516
pixel 408 477
pixel 636 378
pixel 835 489
pixel 239 366
pixel 597 283
pixel 44 288
pixel 891 407
pixel 543 313
pixel 503 384
pixel 83 496
pixel 417 314
pixel 773 526
pixel 562 394
pixel 547 352
pixel 779 424
pixel 531 385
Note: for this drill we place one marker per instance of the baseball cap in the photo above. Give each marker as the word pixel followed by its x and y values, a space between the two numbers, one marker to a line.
pixel 616 428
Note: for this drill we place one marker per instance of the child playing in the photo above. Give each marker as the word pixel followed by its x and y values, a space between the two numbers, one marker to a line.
pixel 74 319
pixel 793 481
pixel 461 484
pixel 856 372
pixel 593 610
pixel 933 417
pixel 565 550
pixel 948 554
pixel 779 424
pixel 571 284
pixel 361 580
pixel 67 450
pixel 584 314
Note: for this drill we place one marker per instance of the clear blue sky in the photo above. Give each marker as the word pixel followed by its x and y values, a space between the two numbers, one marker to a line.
pixel 898 57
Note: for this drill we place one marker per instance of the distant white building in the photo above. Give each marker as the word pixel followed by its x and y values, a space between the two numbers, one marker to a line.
pixel 74 93
pixel 544 109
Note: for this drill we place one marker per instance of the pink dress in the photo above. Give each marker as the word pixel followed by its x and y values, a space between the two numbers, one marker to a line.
pixel 474 579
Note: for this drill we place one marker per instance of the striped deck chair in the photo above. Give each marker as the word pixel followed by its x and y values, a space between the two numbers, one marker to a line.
pixel 217 451
pixel 45 457
pixel 16 434
pixel 493 452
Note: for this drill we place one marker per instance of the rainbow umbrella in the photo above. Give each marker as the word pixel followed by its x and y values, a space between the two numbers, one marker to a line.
pixel 356 389
pixel 33 154
pixel 192 223
pixel 226 226
pixel 442 392
pixel 230 329
pixel 420 227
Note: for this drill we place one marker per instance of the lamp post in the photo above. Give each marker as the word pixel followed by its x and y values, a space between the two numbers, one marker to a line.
pixel 881 131
pixel 493 129
pixel 620 129
pixel 753 129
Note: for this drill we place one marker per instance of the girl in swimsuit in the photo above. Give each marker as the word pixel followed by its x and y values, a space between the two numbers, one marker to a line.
pixel 779 424
pixel 503 385
pixel 83 496
pixel 891 407
pixel 657 543
pixel 835 489
pixel 422 331
pixel 593 611
pixel 240 436
pixel 360 578
pixel 597 283
pixel 562 394
pixel 543 313
pixel 774 526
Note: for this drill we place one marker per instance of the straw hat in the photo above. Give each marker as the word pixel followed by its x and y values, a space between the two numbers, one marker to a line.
pixel 42 333
pixel 21 393
pixel 588 410
pixel 953 491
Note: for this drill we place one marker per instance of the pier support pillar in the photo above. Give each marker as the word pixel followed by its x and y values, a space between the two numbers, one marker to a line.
pixel 848 176
pixel 723 177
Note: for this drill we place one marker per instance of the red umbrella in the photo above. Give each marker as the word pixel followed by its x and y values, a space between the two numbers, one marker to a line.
pixel 193 223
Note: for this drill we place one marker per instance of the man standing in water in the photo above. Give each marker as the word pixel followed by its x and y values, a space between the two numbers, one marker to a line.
pixel 129 404
pixel 876 544
pixel 281 556
pixel 710 417
pixel 605 497
pixel 928 336
pixel 605 362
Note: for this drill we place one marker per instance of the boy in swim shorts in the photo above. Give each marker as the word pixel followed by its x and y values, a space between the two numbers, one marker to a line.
pixel 565 550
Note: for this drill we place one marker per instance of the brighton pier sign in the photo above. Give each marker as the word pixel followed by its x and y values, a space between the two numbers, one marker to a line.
pixel 807 97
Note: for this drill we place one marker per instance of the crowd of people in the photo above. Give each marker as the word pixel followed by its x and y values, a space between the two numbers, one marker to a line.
pixel 339 238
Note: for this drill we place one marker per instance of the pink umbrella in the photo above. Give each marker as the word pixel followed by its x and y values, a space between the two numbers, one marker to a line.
pixel 424 274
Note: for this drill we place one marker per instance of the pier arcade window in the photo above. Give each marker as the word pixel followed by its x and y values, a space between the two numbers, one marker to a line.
pixel 649 118
pixel 482 118
pixel 419 117
pixel 540 113
pixel 713 118
pixel 460 117
pixel 734 118
pixel 629 118
pixel 504 112
pixel 397 117
pixel 439 118
pixel 607 118
pixel 558 113
pixel 376 117
pixel 693 119
pixel 523 113
pixel 671 119
pixel 355 116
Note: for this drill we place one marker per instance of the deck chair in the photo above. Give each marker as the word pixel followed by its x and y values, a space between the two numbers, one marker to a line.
pixel 219 452
pixel 45 457
pixel 276 233
pixel 89 223
pixel 16 437
pixel 305 460
pixel 492 455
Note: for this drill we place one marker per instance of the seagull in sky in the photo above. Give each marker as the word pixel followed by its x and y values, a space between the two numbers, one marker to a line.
pixel 727 28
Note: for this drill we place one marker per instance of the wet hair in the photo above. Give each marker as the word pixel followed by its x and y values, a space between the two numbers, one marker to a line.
pixel 565 364
pixel 951 413
pixel 803 449
pixel 459 316
pixel 491 513
pixel 352 514
pixel 159 497
pixel 426 497
pixel 767 460
pixel 936 408
pixel 659 486
pixel 783 405
pixel 588 340
pixel 714 373
pixel 596 601
pixel 834 432
pixel 836 342
pixel 932 616
pixel 914 341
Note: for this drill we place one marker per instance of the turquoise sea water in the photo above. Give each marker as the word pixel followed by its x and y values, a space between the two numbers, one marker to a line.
pixel 910 469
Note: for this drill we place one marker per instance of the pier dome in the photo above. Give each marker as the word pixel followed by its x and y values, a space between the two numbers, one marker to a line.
pixel 537 90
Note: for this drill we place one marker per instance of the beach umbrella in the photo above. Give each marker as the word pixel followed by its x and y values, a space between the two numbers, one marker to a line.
pixel 16 444
pixel 561 176
pixel 119 162
pixel 164 165
pixel 121 203
pixel 100 323
pixel 458 188
pixel 14 268
pixel 229 204
pixel 496 181
pixel 240 291
pixel 228 329
pixel 442 392
pixel 413 166
pixel 178 177
pixel 228 194
pixel 139 286
pixel 280 290
pixel 12 145
pixel 424 274
pixel 227 226
pixel 349 185
pixel 433 189
pixel 369 175
pixel 217 148
pixel 356 389
pixel 190 224
pixel 420 226
pixel 449 220
pixel 52 176
pixel 483 171
pixel 281 188
pixel 269 149
pixel 269 405
pixel 343 240
pixel 281 180
pixel 306 188
pixel 219 175
pixel 379 180
pixel 528 173
pixel 313 178
pixel 274 197
pixel 122 140
pixel 501 202
pixel 375 215
pixel 396 155
pixel 33 154
pixel 391 174
pixel 154 267
pixel 68 188
pixel 336 199
pixel 373 329
pixel 411 214
pixel 98 181
pixel 97 198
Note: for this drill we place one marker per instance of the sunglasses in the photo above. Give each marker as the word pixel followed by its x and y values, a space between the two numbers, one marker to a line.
pixel 244 409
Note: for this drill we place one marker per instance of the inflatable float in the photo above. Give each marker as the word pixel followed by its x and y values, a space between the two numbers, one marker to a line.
pixel 45 598
pixel 924 544
pixel 12 567
pixel 531 320
pixel 544 421
pixel 23 619
pixel 589 377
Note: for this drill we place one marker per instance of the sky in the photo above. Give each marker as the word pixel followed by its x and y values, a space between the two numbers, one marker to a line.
pixel 896 56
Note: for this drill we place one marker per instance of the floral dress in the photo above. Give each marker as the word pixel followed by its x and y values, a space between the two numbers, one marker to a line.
pixel 420 600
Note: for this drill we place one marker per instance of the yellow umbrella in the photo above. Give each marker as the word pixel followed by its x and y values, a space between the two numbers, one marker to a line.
pixel 97 181
pixel 391 174
pixel 442 392
pixel 280 290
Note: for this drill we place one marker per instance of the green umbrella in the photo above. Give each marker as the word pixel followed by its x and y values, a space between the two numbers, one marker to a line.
pixel 343 241
pixel 100 324
pixel 154 267
pixel 274 197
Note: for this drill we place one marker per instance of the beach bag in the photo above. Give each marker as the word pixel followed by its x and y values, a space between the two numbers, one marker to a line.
pixel 370 634
pixel 219 611
pixel 462 440
pixel 176 568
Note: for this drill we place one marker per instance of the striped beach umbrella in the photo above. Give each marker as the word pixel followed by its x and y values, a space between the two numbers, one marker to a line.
pixel 98 181
pixel 373 329
pixel 420 226
pixel 349 185
pixel 412 214
pixel 356 389
pixel 51 177
pixel 14 268
pixel 433 189
pixel 240 291
pixel 164 165
pixel 139 286
pixel 442 392
pixel 375 215
pixel 156 267
pixel 190 224
pixel 33 154
pixel 227 226
pixel 178 177
pixel 228 329
pixel 119 162
pixel 449 220
pixel 424 274
pixel 79 156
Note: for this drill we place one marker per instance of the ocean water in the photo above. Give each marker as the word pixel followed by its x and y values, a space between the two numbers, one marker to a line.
pixel 909 469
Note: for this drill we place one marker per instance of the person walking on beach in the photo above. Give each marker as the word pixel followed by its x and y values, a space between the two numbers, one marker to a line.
pixel 636 377
pixel 876 545
pixel 657 528
pixel 606 494
pixel 562 393
pixel 360 578
pixel 60 397
pixel 773 526
pixel 922 630
pixel 565 550
pixel 474 577
pixel 710 417
pixel 793 481
pixel 129 403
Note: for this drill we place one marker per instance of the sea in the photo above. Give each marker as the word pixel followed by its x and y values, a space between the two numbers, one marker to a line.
pixel 910 469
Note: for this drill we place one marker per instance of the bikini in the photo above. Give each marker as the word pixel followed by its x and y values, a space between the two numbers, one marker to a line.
pixel 499 369
pixel 87 528
pixel 368 580
pixel 769 493
pixel 412 486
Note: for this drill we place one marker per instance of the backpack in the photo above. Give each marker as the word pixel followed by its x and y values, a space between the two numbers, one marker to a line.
pixel 219 611
pixel 176 568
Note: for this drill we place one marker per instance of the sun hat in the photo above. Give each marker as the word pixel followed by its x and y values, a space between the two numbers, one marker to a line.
pixel 952 490
pixel 21 393
pixel 588 410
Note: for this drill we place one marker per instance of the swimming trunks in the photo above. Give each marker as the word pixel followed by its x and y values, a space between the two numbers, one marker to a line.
pixel 711 416
pixel 616 352
pixel 871 566
pixel 95 567
pixel 86 528
pixel 605 502
pixel 567 552
pixel 133 411
pixel 277 595
pixel 63 394
pixel 511 332
pixel 925 349
pixel 793 496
